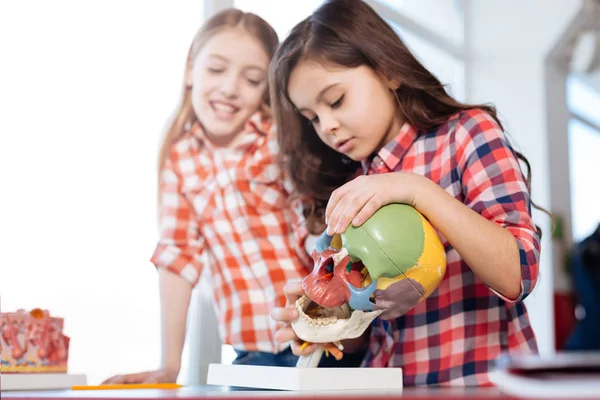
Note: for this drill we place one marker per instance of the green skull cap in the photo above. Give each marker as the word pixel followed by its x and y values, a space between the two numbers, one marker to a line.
pixel 388 243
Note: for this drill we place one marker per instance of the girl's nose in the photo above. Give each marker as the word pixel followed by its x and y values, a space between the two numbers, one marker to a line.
pixel 330 126
pixel 229 86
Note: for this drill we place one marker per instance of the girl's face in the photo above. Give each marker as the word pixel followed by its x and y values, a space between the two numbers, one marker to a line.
pixel 353 110
pixel 229 80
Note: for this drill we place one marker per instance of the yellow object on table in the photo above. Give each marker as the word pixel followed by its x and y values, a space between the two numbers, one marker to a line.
pixel 130 386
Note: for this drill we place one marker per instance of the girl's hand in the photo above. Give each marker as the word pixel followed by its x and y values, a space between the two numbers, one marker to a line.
pixel 287 315
pixel 158 376
pixel 357 200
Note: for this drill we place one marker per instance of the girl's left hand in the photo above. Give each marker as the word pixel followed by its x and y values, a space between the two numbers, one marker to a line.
pixel 357 200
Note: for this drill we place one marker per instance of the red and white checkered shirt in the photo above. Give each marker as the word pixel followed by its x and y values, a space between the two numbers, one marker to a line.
pixel 452 337
pixel 227 210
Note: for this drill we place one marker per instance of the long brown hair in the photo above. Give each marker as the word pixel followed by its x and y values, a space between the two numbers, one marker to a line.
pixel 184 115
pixel 350 33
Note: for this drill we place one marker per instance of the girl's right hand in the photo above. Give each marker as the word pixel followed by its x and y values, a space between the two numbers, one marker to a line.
pixel 287 315
pixel 158 376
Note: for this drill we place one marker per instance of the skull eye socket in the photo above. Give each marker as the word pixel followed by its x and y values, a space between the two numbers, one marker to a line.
pixel 327 274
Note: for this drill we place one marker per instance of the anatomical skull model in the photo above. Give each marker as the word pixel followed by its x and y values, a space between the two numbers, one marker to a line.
pixel 382 268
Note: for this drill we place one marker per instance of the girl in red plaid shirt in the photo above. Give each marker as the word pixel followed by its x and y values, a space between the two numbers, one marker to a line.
pixel 349 96
pixel 223 199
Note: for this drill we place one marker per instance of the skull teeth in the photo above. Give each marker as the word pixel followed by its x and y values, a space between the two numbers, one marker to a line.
pixel 316 321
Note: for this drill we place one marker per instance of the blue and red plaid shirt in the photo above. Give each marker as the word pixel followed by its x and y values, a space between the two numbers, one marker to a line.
pixel 452 337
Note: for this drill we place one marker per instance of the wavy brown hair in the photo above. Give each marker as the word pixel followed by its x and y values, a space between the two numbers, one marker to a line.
pixel 184 115
pixel 350 33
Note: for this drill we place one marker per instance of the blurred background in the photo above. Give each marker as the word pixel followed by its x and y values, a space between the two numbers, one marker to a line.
pixel 86 88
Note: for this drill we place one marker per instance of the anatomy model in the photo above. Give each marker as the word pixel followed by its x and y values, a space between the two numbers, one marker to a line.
pixel 32 342
pixel 382 268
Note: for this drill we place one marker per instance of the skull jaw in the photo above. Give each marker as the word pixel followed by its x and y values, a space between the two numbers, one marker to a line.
pixel 346 325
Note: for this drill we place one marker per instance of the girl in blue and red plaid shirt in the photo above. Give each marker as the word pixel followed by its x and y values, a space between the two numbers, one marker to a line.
pixel 348 95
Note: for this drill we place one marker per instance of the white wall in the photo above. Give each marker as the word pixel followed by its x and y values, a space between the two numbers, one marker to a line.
pixel 507 43
pixel 85 91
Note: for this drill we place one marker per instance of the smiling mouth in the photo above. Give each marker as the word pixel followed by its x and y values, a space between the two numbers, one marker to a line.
pixel 224 109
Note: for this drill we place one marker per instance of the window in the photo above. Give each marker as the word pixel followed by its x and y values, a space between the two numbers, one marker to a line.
pixel 282 15
pixel 444 17
pixel 584 151
pixel 447 68
pixel 583 98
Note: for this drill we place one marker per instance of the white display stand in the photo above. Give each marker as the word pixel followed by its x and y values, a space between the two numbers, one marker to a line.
pixel 305 379
pixel 38 381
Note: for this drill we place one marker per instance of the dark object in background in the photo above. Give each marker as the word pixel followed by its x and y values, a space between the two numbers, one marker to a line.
pixel 590 250
pixel 586 281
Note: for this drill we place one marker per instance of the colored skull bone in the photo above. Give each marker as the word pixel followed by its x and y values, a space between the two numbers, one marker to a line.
pixel 403 256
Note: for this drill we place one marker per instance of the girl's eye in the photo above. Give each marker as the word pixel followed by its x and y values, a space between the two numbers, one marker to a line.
pixel 254 82
pixel 315 120
pixel 338 102
pixel 215 70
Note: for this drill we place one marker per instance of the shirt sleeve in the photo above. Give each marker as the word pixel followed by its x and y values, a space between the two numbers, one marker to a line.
pixel 494 186
pixel 180 246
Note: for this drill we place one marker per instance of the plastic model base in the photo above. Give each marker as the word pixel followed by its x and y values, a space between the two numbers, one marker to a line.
pixel 305 379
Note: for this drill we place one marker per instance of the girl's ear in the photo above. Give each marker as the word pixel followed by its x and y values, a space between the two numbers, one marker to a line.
pixel 393 84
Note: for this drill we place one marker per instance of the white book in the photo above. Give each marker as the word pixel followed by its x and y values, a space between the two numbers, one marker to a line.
pixel 38 381
pixel 563 375
pixel 305 379
pixel 550 386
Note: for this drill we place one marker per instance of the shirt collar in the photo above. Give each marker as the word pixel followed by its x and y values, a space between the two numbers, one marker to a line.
pixel 392 153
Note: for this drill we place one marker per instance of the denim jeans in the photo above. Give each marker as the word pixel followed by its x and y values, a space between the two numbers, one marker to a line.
pixel 283 359
pixel 287 359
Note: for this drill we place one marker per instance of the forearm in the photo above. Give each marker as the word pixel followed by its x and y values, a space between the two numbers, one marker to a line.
pixel 490 250
pixel 175 295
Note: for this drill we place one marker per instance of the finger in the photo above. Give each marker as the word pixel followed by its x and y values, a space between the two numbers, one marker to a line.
pixel 352 210
pixel 347 209
pixel 337 212
pixel 154 378
pixel 335 197
pixel 114 380
pixel 284 314
pixel 352 190
pixel 285 335
pixel 367 211
pixel 135 378
pixel 293 291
